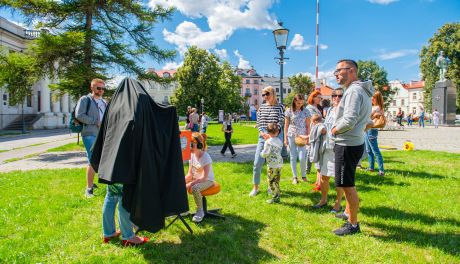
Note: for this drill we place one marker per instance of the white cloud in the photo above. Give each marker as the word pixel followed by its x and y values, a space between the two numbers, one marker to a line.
pixel 323 46
pixel 389 55
pixel 223 18
pixel 242 63
pixel 222 53
pixel 327 76
pixel 172 65
pixel 297 43
pixel 382 2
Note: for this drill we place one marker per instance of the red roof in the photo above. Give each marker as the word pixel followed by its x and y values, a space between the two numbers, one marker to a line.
pixel 326 90
pixel 414 85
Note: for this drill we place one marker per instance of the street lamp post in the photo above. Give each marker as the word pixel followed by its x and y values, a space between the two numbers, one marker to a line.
pixel 281 37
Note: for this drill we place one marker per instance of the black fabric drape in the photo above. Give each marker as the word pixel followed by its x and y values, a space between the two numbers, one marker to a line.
pixel 138 145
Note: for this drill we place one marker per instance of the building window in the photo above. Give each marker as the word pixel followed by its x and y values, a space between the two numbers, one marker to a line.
pixel 284 90
pixel 255 91
pixel 277 90
pixel 394 102
pixel 39 101
pixel 414 110
pixel 256 81
pixel 248 90
pixel 29 100
pixel 166 75
pixel 5 99
pixel 248 81
pixel 289 90
pixel 165 99
pixel 402 102
pixel 394 113
pixel 255 102
pixel 414 96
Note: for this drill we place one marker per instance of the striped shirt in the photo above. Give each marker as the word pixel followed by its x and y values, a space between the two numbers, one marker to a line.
pixel 270 114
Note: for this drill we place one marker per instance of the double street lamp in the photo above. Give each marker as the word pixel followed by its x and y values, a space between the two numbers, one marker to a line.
pixel 281 37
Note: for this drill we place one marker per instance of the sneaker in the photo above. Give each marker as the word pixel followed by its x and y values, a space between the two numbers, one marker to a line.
pixel 319 206
pixel 95 186
pixel 233 155
pixel 381 173
pixel 295 181
pixel 304 179
pixel 89 193
pixel 335 211
pixel 347 229
pixel 343 216
pixel 370 170
pixel 253 193
pixel 223 154
pixel 273 200
pixel 317 188
pixel 198 217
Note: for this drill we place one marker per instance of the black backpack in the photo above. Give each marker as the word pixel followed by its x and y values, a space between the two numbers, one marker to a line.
pixel 74 124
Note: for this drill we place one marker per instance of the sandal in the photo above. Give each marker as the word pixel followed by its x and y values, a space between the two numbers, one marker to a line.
pixel 115 235
pixel 128 243
pixel 319 206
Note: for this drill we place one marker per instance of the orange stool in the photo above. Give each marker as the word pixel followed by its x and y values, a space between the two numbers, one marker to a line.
pixel 215 189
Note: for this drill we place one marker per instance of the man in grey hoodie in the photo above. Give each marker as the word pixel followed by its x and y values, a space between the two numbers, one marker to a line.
pixel 353 114
pixel 89 111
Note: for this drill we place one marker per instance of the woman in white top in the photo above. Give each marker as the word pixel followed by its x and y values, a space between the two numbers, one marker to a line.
pixel 435 115
pixel 200 174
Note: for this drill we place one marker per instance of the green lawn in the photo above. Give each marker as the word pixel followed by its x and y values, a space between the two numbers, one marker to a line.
pixel 412 215
pixel 69 147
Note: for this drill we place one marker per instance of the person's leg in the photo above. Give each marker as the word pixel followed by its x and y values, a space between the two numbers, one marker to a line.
pixel 374 145
pixel 277 192
pixel 308 167
pixel 88 142
pixel 258 163
pixel 196 192
pixel 228 137
pixel 108 214
pixel 324 189
pixel 370 153
pixel 338 199
pixel 293 156
pixel 353 204
pixel 126 226
pixel 224 148
pixel 302 153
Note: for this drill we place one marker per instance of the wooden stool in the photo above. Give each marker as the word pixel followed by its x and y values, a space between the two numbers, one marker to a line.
pixel 215 189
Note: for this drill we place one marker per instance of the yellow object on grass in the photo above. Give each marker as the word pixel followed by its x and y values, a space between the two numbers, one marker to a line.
pixel 408 145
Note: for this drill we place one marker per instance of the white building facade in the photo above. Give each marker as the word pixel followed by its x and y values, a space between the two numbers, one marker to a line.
pixel 44 109
pixel 409 97
pixel 161 92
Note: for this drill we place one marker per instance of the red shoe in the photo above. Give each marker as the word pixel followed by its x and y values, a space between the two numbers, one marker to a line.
pixel 128 243
pixel 107 239
pixel 317 188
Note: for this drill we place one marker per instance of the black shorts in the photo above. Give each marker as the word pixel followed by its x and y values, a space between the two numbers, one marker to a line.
pixel 346 159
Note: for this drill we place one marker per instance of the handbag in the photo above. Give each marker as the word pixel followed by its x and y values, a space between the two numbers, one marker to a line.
pixel 299 141
pixel 379 122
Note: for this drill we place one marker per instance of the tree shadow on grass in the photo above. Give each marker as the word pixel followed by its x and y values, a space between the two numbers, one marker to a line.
pixel 445 241
pixel 233 240
pixel 416 174
pixel 392 213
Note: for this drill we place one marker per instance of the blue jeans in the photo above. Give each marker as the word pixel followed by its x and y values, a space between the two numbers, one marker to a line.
pixel 372 148
pixel 108 216
pixel 421 122
pixel 297 152
pixel 258 160
pixel 88 141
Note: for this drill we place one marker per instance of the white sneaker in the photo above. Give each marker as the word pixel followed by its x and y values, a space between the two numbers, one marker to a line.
pixel 295 181
pixel 253 193
pixel 198 217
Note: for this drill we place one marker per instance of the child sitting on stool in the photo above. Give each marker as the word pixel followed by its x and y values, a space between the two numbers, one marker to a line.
pixel 200 175
pixel 272 154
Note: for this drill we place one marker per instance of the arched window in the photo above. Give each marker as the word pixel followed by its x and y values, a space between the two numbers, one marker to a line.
pixel 166 75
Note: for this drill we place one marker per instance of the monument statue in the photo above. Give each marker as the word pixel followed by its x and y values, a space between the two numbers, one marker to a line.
pixel 442 63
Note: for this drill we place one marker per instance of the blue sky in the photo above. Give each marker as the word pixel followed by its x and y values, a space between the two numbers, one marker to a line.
pixel 390 32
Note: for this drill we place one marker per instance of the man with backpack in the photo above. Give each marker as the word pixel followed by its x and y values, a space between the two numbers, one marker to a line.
pixel 89 111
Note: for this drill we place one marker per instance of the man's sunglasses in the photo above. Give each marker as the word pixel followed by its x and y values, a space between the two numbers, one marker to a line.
pixel 337 95
pixel 100 88
pixel 265 94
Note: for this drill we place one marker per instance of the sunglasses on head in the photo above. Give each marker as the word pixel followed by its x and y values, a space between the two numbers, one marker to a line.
pixel 265 94
pixel 337 95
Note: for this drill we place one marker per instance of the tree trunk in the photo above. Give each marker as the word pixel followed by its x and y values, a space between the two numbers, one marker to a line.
pixel 88 48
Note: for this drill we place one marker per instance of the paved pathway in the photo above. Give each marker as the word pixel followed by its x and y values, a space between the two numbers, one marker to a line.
pixel 429 138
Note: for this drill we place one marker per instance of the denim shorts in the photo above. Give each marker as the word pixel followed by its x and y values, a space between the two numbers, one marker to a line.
pixel 88 141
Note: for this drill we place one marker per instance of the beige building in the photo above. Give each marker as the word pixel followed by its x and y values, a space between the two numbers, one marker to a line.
pixel 161 92
pixel 42 110
pixel 408 96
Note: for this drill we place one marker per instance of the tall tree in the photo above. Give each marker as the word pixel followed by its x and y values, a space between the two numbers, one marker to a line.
pixel 370 70
pixel 447 39
pixel 201 76
pixel 88 38
pixel 18 73
pixel 301 83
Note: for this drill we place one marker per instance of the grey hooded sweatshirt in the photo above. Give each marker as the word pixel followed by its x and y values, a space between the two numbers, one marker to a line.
pixel 354 113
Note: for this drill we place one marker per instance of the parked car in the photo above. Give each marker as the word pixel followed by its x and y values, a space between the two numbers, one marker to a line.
pixel 243 118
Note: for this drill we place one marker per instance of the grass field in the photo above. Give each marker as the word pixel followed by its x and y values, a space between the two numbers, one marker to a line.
pixel 412 215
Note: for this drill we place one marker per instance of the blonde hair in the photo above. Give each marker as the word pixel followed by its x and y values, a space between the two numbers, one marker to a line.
pixel 201 137
pixel 316 118
pixel 96 81
pixel 272 91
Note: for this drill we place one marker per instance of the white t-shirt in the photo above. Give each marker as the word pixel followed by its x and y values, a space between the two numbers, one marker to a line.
pixel 198 165
pixel 101 105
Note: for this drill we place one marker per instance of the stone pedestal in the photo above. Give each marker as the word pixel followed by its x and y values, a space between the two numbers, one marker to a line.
pixel 443 99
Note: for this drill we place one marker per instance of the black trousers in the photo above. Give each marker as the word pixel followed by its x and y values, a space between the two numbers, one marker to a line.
pixel 227 143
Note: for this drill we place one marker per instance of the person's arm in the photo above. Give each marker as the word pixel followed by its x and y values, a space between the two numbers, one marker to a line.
pixel 266 151
pixel 280 118
pixel 287 121
pixel 350 115
pixel 81 112
pixel 189 177
pixel 203 178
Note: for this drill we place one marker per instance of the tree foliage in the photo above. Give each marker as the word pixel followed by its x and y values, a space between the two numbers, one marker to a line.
pixel 89 38
pixel 301 83
pixel 201 76
pixel 446 39
pixel 370 70
pixel 18 73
